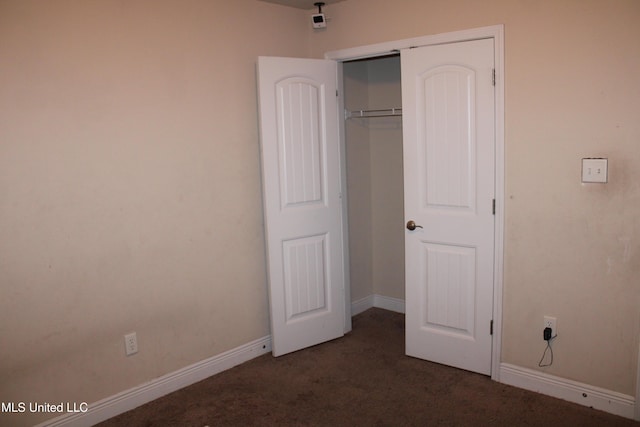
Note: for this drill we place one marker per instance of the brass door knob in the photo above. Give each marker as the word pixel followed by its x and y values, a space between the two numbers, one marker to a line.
pixel 411 225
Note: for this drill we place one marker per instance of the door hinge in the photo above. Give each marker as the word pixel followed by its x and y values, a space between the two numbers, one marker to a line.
pixel 493 77
pixel 336 93
pixel 493 207
pixel 491 327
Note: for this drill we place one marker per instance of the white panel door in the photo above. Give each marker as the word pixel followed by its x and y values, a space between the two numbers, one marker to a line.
pixel 300 148
pixel 449 162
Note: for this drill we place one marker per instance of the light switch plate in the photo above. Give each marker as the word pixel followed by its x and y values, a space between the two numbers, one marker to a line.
pixel 594 170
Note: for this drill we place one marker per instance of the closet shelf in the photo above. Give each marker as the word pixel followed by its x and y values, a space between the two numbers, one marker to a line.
pixel 373 113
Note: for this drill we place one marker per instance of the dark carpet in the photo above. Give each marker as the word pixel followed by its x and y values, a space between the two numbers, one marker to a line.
pixel 362 379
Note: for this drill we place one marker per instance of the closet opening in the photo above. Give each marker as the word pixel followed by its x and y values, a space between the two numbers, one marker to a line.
pixel 374 175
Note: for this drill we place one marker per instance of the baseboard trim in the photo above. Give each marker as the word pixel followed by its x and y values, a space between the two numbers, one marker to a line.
pixel 132 398
pixel 388 303
pixel 361 305
pixel 378 301
pixel 572 391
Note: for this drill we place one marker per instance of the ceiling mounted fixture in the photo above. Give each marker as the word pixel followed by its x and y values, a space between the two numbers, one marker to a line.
pixel 317 19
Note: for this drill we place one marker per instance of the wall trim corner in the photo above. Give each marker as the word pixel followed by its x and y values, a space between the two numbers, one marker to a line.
pixel 378 301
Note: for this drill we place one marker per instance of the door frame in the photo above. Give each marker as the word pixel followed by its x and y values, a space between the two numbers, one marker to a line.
pixel 496 32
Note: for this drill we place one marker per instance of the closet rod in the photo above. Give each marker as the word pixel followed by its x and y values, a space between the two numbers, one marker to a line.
pixel 373 113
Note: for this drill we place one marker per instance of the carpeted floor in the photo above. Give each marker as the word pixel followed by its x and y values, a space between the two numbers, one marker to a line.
pixel 362 379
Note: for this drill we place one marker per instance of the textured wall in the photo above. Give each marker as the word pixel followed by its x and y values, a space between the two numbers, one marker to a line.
pixel 130 188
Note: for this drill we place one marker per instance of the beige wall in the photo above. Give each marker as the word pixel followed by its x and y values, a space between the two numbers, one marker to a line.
pixel 129 175
pixel 572 91
pixel 358 153
pixel 374 179
pixel 387 188
pixel 130 189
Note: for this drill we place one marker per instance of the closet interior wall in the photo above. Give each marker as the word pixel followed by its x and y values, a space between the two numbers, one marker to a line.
pixel 375 179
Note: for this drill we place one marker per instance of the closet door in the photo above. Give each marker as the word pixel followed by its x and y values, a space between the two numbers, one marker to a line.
pixel 449 165
pixel 300 148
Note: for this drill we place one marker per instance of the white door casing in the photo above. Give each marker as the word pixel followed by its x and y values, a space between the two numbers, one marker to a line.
pixel 300 149
pixel 449 172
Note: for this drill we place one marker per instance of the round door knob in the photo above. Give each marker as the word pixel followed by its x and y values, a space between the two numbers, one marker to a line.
pixel 411 225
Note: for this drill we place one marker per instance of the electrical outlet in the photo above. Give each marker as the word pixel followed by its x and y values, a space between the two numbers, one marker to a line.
pixel 130 344
pixel 551 322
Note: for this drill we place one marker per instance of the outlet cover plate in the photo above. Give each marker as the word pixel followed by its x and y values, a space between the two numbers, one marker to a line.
pixel 551 322
pixel 594 170
pixel 130 344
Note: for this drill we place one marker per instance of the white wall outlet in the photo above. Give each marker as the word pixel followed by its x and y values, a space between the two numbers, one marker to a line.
pixel 551 322
pixel 130 344
pixel 594 170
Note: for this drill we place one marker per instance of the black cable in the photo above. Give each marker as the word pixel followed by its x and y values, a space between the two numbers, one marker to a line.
pixel 545 353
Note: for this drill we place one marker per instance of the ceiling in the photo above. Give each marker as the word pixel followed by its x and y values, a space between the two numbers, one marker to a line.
pixel 302 4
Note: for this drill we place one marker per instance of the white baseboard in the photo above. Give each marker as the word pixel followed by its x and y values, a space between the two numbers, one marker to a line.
pixel 361 305
pixel 379 301
pixel 572 391
pixel 388 303
pixel 130 399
